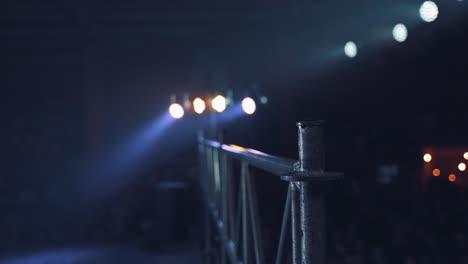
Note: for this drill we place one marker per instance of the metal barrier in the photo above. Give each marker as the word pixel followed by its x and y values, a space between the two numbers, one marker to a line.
pixel 237 224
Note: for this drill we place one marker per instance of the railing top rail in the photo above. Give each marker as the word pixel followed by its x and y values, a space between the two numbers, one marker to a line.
pixel 273 164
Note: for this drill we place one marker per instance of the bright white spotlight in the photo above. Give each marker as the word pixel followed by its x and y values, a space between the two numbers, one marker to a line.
pixel 400 32
pixel 199 106
pixel 427 157
pixel 350 49
pixel 248 104
pixel 429 11
pixel 462 166
pixel 219 103
pixel 176 111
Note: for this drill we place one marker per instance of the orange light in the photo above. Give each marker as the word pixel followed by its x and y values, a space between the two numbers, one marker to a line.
pixel 465 156
pixel 452 177
pixel 436 172
pixel 427 157
pixel 239 148
pixel 462 166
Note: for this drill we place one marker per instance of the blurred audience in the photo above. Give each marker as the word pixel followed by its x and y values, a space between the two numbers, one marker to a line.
pixel 380 223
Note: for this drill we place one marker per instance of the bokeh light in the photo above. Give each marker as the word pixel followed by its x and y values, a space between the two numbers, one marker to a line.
pixel 429 11
pixel 264 100
pixel 465 155
pixel 248 105
pixel 452 177
pixel 199 106
pixel 219 103
pixel 176 111
pixel 436 172
pixel 350 49
pixel 462 166
pixel 400 32
pixel 427 157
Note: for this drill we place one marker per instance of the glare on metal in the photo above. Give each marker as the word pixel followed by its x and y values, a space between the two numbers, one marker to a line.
pixel 429 11
pixel 176 111
pixel 239 148
pixel 199 106
pixel 400 32
pixel 219 103
pixel 350 49
pixel 427 157
pixel 249 106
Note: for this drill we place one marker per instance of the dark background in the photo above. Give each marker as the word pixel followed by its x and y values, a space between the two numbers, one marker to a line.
pixel 80 77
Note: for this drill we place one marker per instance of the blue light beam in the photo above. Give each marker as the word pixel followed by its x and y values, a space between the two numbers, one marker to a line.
pixel 109 172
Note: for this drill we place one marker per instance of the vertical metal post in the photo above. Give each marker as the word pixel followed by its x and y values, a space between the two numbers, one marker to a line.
pixel 224 202
pixel 310 143
pixel 209 173
pixel 307 196
pixel 204 177
pixel 221 192
pixel 295 223
pixel 245 215
pixel 254 219
pixel 230 217
pixel 311 159
pixel 238 224
pixel 312 225
pixel 230 190
pixel 284 228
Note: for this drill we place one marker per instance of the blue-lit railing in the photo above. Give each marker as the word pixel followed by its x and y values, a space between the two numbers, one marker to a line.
pixel 234 211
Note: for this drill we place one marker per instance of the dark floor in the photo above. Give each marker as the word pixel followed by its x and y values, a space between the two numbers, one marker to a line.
pixel 121 254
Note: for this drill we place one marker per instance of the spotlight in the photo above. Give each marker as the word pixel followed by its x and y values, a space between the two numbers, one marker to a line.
pixel 176 111
pixel 400 32
pixel 350 49
pixel 199 106
pixel 248 104
pixel 462 166
pixel 427 157
pixel 429 11
pixel 219 103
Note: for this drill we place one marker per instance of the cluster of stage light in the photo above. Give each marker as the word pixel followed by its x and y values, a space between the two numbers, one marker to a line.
pixel 218 103
pixel 428 11
pixel 452 177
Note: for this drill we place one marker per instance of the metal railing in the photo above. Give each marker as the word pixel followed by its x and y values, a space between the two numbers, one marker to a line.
pixel 234 214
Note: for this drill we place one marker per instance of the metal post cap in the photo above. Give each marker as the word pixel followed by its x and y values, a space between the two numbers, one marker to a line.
pixel 310 166
pixel 310 122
